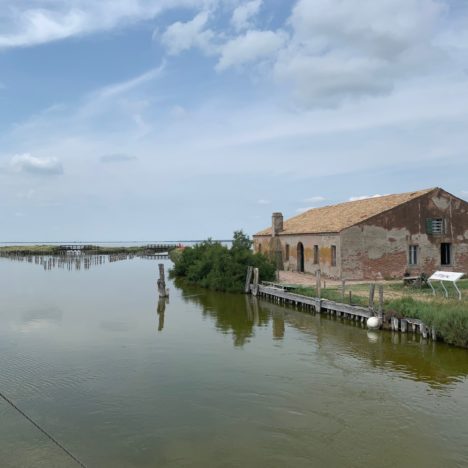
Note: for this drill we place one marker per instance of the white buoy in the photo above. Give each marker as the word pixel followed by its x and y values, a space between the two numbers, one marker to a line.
pixel 373 323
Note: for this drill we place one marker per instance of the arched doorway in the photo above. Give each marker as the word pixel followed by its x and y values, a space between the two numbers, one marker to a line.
pixel 300 257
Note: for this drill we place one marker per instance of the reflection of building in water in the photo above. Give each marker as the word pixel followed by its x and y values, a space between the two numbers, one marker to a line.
pixel 161 312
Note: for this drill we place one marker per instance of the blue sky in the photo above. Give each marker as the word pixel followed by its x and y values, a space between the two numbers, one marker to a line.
pixel 177 119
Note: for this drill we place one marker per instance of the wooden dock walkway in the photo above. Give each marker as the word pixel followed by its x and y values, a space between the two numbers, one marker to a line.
pixel 283 296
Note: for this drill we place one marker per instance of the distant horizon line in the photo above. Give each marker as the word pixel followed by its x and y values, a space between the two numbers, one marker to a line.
pixel 114 242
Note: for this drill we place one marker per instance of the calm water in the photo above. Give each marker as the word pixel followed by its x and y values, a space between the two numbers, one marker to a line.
pixel 212 380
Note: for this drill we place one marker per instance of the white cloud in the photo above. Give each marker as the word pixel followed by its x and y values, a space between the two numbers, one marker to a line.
pixel 242 15
pixel 365 197
pixel 263 202
pixel 316 199
pixel 36 165
pixel 31 22
pixel 179 36
pixel 250 47
pixel 126 86
pixel 303 210
pixel 345 49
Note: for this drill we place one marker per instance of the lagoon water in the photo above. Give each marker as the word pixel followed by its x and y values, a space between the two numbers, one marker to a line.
pixel 212 380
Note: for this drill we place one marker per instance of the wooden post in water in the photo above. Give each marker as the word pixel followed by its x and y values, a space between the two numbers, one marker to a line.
pixel 256 275
pixel 403 325
pixel 248 279
pixel 381 300
pixel 163 291
pixel 371 297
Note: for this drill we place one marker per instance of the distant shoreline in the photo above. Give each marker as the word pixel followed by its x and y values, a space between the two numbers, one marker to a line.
pixel 85 249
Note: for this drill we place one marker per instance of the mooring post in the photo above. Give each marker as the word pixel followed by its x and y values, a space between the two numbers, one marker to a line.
pixel 350 297
pixel 404 325
pixel 248 279
pixel 343 290
pixel 318 283
pixel 371 297
pixel 256 275
pixel 381 300
pixel 163 291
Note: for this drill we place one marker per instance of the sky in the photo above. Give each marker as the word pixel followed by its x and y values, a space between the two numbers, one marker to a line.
pixel 129 120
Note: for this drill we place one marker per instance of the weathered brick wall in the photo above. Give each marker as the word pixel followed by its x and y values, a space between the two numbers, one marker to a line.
pixel 378 248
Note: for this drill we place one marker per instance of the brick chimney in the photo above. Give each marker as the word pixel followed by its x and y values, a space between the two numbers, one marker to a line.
pixel 277 224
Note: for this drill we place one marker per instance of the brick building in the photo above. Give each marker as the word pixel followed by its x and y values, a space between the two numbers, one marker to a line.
pixel 375 238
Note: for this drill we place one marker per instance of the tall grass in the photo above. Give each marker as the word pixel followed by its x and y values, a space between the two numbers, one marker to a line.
pixel 450 318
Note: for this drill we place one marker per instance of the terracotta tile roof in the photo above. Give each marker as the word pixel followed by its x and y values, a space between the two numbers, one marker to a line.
pixel 335 218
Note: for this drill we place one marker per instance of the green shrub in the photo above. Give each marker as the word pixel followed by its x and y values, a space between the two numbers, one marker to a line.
pixel 215 266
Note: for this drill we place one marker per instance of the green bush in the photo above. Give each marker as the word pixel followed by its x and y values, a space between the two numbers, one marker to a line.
pixel 215 266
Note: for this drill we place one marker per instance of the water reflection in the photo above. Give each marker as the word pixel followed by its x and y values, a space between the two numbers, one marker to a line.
pixel 408 354
pixel 162 302
pixel 229 312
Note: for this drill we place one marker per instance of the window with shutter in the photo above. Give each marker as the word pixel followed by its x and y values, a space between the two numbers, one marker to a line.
pixel 429 225
pixel 435 226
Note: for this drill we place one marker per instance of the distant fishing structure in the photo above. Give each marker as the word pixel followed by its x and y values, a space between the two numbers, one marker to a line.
pixel 77 257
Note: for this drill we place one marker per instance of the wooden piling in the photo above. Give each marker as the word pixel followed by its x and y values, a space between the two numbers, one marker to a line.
pixel 256 275
pixel 371 296
pixel 319 284
pixel 163 291
pixel 248 279
pixel 381 300
pixel 424 331
pixel 404 325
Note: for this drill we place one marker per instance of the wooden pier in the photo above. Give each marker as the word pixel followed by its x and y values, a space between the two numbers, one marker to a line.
pixel 282 295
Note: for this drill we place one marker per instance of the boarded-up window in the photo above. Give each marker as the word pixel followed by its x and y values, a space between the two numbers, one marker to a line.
pixel 316 254
pixel 333 255
pixel 435 226
pixel 445 254
pixel 286 253
pixel 413 255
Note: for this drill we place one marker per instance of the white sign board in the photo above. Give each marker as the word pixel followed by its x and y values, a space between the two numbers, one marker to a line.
pixel 446 276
